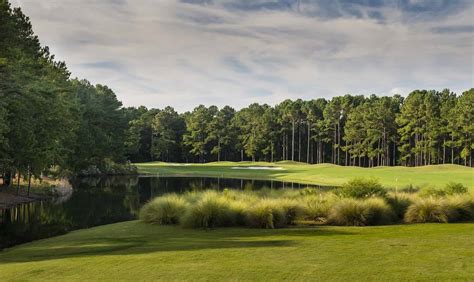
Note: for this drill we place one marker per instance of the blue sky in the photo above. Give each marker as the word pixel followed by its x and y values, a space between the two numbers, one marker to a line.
pixel 185 53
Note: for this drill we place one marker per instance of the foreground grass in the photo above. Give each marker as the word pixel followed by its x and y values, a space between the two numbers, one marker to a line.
pixel 135 250
pixel 322 174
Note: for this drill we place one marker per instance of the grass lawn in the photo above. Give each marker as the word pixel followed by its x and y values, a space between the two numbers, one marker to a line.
pixel 322 174
pixel 138 251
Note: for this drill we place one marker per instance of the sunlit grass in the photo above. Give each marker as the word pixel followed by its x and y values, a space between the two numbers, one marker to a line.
pixel 323 174
pixel 136 250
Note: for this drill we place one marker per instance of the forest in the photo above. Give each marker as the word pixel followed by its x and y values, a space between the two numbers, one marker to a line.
pixel 50 120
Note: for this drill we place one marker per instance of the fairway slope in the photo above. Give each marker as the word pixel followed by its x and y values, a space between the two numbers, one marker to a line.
pixel 398 177
pixel 131 250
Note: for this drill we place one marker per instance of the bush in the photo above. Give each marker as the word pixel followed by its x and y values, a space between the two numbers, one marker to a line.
pixel 210 211
pixel 362 188
pixel 459 208
pixel 453 188
pixel 266 214
pixel 378 212
pixel 426 210
pixel 317 208
pixel 164 210
pixel 292 210
pixel 399 202
pixel 360 213
pixel 432 192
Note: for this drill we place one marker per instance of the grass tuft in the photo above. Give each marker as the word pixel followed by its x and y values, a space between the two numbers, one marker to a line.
pixel 267 213
pixel 426 210
pixel 164 210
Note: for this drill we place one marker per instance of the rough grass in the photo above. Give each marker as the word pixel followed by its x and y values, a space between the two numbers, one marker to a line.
pixel 323 174
pixel 139 251
pixel 164 210
pixel 279 208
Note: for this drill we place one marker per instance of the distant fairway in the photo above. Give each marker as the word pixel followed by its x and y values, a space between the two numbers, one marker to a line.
pixel 321 174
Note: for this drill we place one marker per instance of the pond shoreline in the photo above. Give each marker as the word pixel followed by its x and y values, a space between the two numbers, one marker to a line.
pixel 10 199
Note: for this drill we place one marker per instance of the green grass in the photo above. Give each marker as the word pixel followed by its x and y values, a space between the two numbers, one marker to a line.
pixel 139 251
pixel 322 174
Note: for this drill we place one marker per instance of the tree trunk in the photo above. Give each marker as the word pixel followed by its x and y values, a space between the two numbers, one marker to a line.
pixel 299 143
pixel 219 150
pixel 308 147
pixel 29 181
pixel 18 183
pixel 293 141
pixel 452 149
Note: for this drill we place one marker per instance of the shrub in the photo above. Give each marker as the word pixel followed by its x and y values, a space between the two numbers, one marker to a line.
pixel 426 210
pixel 378 212
pixel 360 212
pixel 362 188
pixel 432 192
pixel 317 208
pixel 164 210
pixel 292 210
pixel 459 208
pixel 266 214
pixel 348 212
pixel 210 211
pixel 399 202
pixel 453 188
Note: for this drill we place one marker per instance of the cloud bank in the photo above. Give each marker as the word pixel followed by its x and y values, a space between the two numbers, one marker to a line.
pixel 159 53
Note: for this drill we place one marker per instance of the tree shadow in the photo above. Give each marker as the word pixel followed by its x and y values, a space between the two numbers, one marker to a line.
pixel 182 240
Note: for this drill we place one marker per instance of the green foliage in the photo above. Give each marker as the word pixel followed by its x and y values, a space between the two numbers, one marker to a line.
pixel 453 188
pixel 164 210
pixel 360 212
pixel 211 210
pixel 293 210
pixel 459 208
pixel 362 188
pixel 426 210
pixel 316 207
pixel 399 202
pixel 267 214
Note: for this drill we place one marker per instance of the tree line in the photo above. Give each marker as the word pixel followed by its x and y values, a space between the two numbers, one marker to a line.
pixel 426 127
pixel 48 119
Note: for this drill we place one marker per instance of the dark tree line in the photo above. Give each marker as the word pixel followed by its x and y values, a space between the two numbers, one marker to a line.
pixel 427 127
pixel 48 120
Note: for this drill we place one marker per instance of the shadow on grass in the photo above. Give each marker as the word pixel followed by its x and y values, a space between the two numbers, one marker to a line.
pixel 171 240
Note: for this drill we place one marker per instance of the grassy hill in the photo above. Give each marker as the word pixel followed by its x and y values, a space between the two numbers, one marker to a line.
pixel 322 174
pixel 135 250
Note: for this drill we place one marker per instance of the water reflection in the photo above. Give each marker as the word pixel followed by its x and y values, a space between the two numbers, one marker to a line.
pixel 98 201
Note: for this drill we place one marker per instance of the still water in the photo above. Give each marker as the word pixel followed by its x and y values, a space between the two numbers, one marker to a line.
pixel 98 201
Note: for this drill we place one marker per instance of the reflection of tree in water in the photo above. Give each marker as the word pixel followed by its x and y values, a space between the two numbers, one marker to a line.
pixel 97 201
pixel 93 202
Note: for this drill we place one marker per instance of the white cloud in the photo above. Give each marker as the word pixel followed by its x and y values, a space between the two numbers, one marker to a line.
pixel 159 53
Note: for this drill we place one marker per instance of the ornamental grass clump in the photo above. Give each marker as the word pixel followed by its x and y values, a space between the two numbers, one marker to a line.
pixel 164 210
pixel 292 209
pixel 459 208
pixel 362 188
pixel 426 210
pixel 211 210
pixel 267 213
pixel 316 208
pixel 399 202
pixel 355 212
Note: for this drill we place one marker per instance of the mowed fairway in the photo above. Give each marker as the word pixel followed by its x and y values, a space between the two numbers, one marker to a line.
pixel 135 250
pixel 322 174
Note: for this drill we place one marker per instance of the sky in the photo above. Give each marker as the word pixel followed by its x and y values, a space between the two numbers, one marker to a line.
pixel 238 52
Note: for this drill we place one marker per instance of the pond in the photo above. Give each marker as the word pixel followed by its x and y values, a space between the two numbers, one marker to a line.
pixel 99 201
